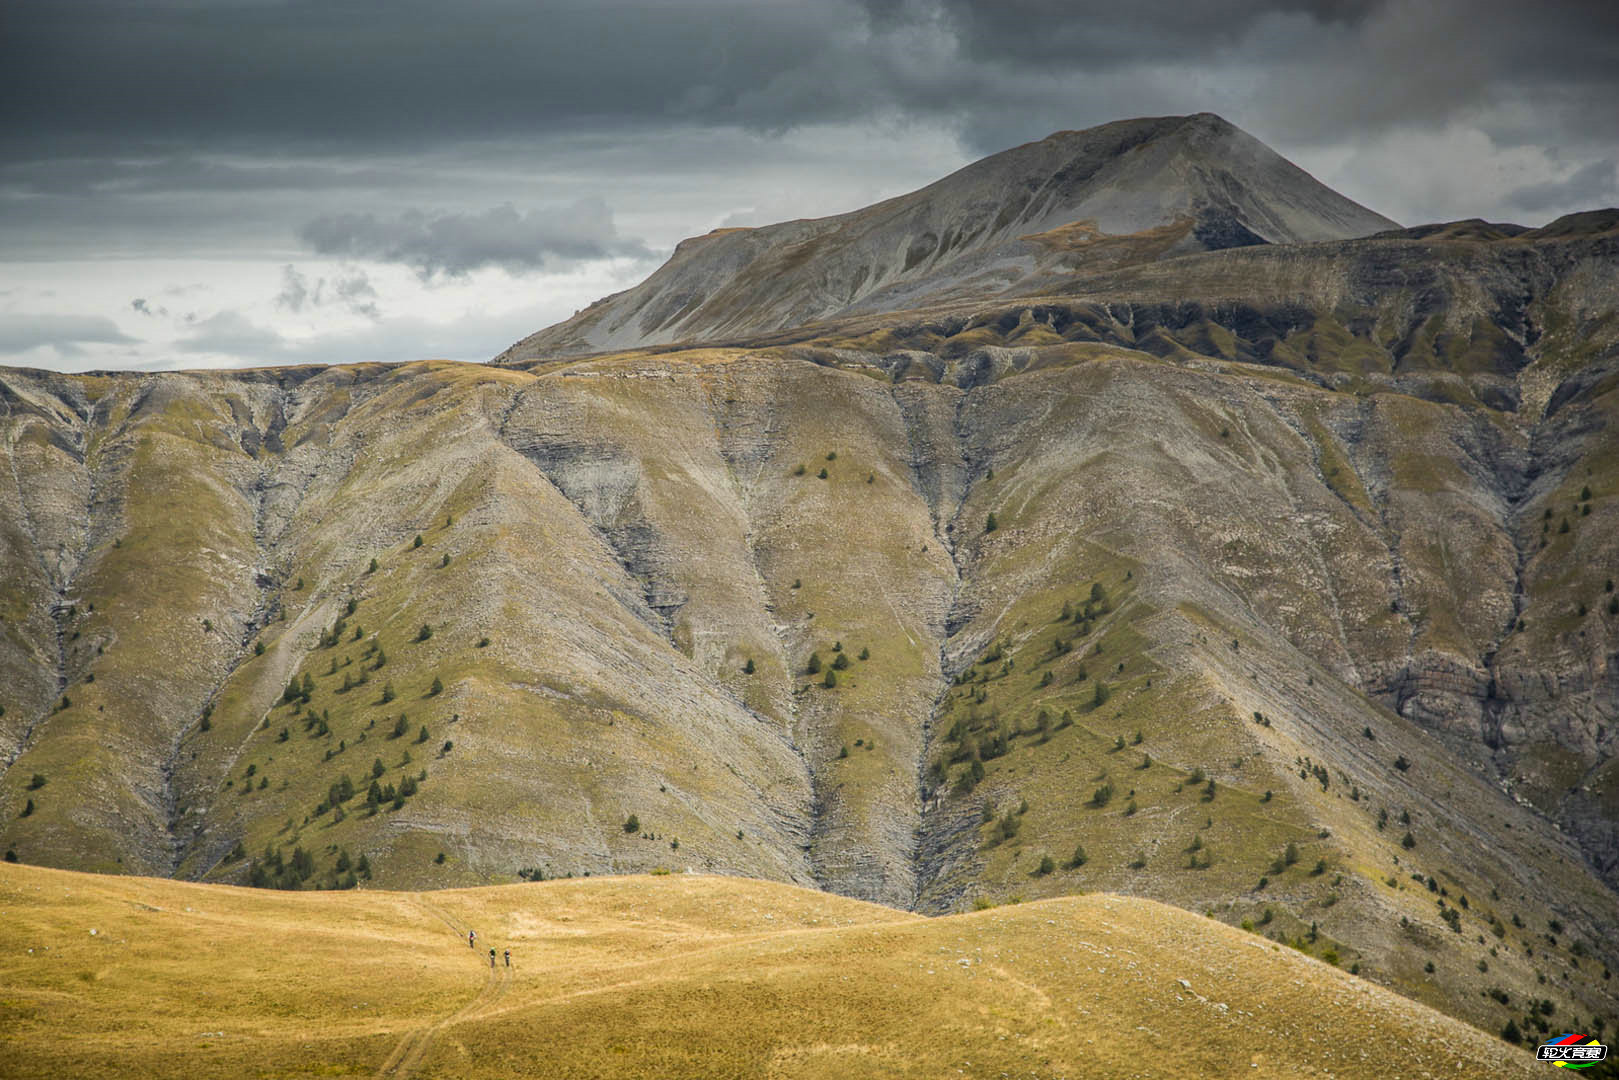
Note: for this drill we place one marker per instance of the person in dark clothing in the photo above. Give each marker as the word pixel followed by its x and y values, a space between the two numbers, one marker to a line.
pixel 491 959
pixel 472 939
pixel 508 958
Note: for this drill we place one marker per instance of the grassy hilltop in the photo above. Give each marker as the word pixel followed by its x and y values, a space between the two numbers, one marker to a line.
pixel 675 976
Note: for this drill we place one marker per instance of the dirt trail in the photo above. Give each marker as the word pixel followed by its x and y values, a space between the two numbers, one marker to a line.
pixel 411 1049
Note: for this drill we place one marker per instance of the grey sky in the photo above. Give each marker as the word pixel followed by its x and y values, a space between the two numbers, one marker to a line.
pixel 424 161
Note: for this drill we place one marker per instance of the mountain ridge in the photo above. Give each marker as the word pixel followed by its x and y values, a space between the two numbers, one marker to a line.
pixel 1114 194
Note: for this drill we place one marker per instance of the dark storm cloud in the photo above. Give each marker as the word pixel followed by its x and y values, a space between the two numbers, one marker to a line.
pixel 361 74
pixel 84 176
pixel 454 244
pixel 388 73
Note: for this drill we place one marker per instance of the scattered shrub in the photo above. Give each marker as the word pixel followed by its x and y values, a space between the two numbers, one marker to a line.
pixel 990 524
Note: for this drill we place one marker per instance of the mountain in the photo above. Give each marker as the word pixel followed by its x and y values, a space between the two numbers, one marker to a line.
pixel 1126 192
pixel 635 971
pixel 1274 582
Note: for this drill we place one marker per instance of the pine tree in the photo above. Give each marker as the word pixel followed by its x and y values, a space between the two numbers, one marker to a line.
pixel 424 633
pixel 814 665
pixel 831 679
pixel 632 824
pixel 748 668
pixel 437 687
pixel 416 543
pixel 28 808
pixel 373 566
pixel 990 524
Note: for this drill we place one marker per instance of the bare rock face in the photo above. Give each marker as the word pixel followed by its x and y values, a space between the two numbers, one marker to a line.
pixel 1107 196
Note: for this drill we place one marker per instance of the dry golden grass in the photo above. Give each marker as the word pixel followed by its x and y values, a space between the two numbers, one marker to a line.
pixel 673 976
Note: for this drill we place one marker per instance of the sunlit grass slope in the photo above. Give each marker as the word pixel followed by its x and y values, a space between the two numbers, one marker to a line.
pixel 673 976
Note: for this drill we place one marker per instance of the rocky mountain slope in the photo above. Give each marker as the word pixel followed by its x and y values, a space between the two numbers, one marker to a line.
pixel 1126 192
pixel 1274 582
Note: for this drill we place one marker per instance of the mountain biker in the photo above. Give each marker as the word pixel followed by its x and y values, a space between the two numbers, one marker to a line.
pixel 472 939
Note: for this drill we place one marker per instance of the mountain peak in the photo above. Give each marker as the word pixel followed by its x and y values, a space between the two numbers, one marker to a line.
pixel 1019 221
